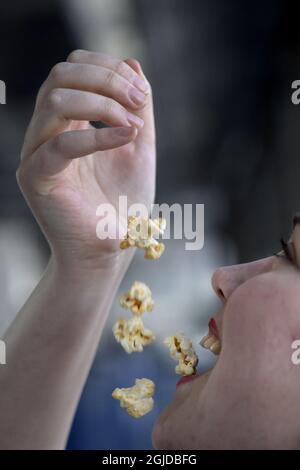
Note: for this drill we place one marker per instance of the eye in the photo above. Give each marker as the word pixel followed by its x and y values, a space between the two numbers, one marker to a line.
pixel 286 250
pixel 289 249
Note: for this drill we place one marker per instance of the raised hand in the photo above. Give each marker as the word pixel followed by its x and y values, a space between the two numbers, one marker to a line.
pixel 68 168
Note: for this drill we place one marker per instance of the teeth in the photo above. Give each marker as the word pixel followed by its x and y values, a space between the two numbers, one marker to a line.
pixel 216 347
pixel 212 343
pixel 203 340
pixel 209 342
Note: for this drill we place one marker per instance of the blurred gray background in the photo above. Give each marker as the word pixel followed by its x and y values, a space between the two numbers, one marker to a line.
pixel 228 137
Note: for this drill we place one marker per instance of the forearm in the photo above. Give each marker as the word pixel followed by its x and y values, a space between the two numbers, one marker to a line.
pixel 50 349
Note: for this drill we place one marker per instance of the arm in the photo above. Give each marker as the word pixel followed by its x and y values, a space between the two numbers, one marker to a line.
pixel 68 169
pixel 50 349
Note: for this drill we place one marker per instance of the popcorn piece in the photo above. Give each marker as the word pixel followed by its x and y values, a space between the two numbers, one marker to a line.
pixel 126 243
pixel 138 299
pixel 154 251
pixel 141 232
pixel 132 335
pixel 181 349
pixel 156 227
pixel 137 400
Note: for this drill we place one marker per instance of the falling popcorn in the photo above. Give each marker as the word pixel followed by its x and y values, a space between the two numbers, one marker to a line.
pixel 181 349
pixel 138 299
pixel 137 400
pixel 141 232
pixel 132 335
pixel 154 251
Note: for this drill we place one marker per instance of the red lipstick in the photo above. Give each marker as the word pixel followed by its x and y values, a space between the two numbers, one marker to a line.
pixel 213 329
pixel 187 378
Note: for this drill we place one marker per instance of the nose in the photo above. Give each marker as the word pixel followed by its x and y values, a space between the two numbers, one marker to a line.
pixel 224 282
pixel 227 279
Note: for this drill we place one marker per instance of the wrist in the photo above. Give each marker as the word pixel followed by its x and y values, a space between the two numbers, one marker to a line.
pixel 90 271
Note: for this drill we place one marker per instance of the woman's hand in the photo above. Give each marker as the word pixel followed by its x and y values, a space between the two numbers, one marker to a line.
pixel 68 168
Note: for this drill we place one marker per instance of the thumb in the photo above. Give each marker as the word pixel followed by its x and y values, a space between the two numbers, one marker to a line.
pixel 147 133
pixel 55 155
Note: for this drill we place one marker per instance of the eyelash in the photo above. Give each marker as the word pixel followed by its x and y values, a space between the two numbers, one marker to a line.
pixel 286 253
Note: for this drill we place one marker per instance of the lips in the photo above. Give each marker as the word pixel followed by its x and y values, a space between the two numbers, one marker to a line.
pixel 186 379
pixel 213 329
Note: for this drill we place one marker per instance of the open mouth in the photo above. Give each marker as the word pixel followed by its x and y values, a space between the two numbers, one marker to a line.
pixel 212 340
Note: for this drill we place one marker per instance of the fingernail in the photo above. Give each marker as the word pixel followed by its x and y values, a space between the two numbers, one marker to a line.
pixel 135 120
pixel 123 131
pixel 137 96
pixel 141 84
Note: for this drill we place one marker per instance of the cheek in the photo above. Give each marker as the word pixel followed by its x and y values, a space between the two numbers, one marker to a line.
pixel 243 312
pixel 255 302
pixel 257 319
pixel 276 290
pixel 255 294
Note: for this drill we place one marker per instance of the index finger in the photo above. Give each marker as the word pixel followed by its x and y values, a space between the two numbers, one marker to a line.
pixel 117 65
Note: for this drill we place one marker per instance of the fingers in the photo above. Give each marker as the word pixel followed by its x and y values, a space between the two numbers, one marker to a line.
pixel 63 105
pixel 117 65
pixel 147 134
pixel 110 89
pixel 56 154
pixel 97 79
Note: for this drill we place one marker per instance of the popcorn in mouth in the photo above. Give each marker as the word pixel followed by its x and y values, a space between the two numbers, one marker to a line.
pixel 181 349
pixel 137 400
